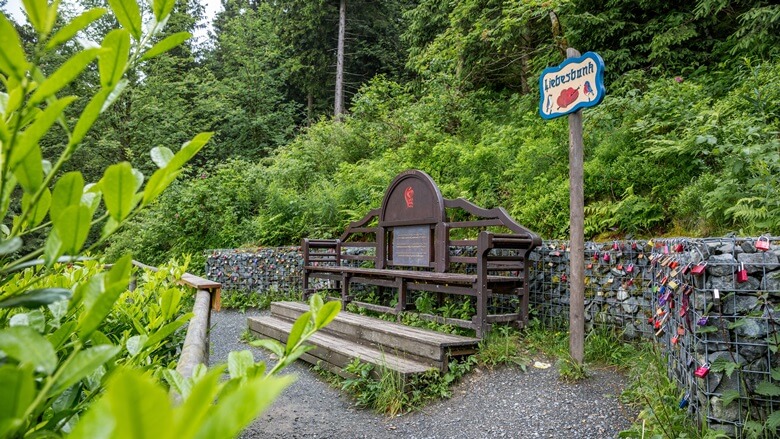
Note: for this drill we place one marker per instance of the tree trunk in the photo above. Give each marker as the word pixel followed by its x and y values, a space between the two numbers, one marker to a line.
pixel 339 105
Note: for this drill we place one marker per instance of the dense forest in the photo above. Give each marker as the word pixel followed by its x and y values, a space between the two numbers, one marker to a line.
pixel 687 141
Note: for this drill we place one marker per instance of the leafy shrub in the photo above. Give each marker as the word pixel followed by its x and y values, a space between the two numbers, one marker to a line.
pixel 211 209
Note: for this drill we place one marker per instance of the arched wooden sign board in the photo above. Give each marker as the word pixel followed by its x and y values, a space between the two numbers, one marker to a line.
pixel 412 198
pixel 412 207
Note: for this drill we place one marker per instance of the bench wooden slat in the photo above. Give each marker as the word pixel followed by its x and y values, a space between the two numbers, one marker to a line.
pixel 358 257
pixel 358 244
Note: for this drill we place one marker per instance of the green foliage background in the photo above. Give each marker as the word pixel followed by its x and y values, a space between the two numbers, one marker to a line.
pixel 685 143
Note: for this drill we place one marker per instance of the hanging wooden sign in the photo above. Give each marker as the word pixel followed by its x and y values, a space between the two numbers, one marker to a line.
pixel 574 84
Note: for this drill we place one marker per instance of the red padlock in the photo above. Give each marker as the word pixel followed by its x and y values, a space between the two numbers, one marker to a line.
pixel 563 277
pixel 596 256
pixel 679 248
pixel 606 257
pixel 762 243
pixel 698 270
pixel 675 339
pixel 630 282
pixel 633 246
pixel 702 371
pixel 674 264
pixel 615 246
pixel 742 274
pixel 686 269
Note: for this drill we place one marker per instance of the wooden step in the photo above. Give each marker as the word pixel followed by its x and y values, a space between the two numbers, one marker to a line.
pixel 335 351
pixel 421 344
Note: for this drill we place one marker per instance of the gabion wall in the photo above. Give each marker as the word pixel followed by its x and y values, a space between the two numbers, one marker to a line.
pixel 714 304
pixel 271 268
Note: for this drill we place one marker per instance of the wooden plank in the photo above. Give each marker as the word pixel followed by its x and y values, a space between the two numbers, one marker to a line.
pixel 199 282
pixel 374 307
pixel 445 321
pixel 370 323
pixel 440 288
pixel 336 350
pixel 463 259
pixel 463 242
pixel 359 244
pixel 493 318
pixel 358 257
pixel 434 277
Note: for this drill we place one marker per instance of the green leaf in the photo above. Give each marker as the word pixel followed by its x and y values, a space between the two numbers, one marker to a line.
pixel 39 210
pixel 10 245
pixel 67 192
pixel 113 60
pixel 98 301
pixel 773 421
pixel 775 371
pixel 328 312
pixel 128 14
pixel 36 298
pixel 69 30
pixel 163 333
pixel 27 346
pixel 767 388
pixel 36 13
pixel 84 363
pixel 72 227
pixel 161 156
pixel 26 164
pixel 158 182
pixel 53 248
pixel 88 116
pixel 118 187
pixel 167 44
pixel 12 60
pixel 189 417
pixel 177 383
pixel 64 75
pixel 272 345
pixel 151 410
pixel 58 337
pixel 297 331
pixel 239 363
pixel 18 393
pixel 236 410
pixel 162 8
pixel 43 122
pixel 97 423
pixel 188 150
pixel 135 343
pixel 729 396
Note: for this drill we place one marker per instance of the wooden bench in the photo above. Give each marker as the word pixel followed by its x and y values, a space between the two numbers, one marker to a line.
pixel 410 246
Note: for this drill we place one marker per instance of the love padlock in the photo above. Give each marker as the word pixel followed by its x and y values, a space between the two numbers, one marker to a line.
pixel 606 257
pixel 666 249
pixel 615 246
pixel 630 268
pixel 702 321
pixel 702 371
pixel 679 248
pixel 675 339
pixel 698 269
pixel 685 401
pixel 633 246
pixel 762 243
pixel 673 284
pixel 686 269
pixel 742 274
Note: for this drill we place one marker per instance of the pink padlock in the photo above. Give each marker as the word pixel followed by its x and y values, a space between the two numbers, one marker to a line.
pixel 762 243
pixel 742 274
pixel 702 371
pixel 630 268
pixel 666 249
pixel 606 257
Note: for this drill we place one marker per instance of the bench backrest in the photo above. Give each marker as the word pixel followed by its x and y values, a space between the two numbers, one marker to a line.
pixel 412 230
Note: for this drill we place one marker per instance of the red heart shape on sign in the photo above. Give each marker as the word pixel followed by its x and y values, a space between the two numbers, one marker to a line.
pixel 567 96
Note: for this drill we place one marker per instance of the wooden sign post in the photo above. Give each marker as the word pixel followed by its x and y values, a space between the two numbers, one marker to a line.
pixel 575 84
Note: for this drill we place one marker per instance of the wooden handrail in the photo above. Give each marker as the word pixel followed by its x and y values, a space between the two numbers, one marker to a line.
pixel 196 343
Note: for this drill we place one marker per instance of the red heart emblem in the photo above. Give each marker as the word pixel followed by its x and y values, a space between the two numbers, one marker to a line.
pixel 567 96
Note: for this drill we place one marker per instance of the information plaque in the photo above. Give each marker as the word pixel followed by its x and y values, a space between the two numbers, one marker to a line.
pixel 412 246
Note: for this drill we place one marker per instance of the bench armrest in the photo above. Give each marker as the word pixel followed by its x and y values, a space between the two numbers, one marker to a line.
pixel 321 251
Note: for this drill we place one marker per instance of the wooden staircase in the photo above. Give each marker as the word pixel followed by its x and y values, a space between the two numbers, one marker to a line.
pixel 384 344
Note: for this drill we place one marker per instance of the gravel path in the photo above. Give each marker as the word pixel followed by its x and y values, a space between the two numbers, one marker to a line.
pixel 485 404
